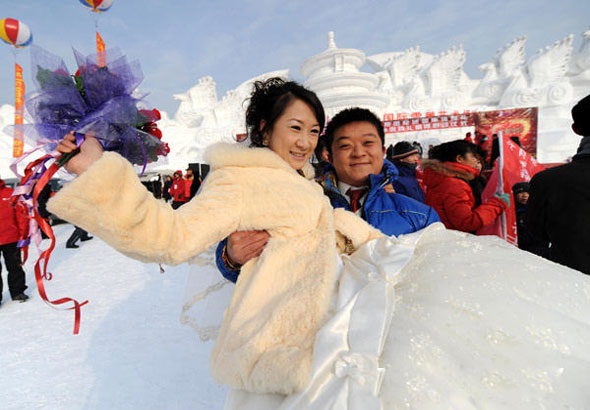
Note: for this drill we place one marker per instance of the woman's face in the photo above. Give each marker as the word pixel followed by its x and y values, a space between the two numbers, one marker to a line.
pixel 470 159
pixel 295 134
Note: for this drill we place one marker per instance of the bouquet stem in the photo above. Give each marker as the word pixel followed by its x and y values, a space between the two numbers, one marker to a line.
pixel 64 158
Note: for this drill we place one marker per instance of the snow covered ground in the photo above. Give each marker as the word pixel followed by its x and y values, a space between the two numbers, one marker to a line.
pixel 131 353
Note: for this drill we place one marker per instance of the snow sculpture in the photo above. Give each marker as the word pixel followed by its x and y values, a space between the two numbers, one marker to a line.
pixel 498 73
pixel 202 119
pixel 199 98
pixel 423 82
pixel 443 79
pixel 579 73
pixel 403 69
pixel 405 82
pixel 334 75
pixel 582 58
pixel 543 82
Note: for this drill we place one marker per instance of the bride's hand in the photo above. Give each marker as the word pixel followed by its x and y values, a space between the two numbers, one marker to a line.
pixel 90 151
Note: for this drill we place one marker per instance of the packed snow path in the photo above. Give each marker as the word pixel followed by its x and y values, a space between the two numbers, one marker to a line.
pixel 131 353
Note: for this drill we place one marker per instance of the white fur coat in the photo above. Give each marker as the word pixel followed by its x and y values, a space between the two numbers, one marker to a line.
pixel 281 298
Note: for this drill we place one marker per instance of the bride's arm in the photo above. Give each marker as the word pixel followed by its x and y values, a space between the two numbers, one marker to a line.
pixel 108 200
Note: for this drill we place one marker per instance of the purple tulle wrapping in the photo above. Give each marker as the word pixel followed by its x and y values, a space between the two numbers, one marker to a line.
pixel 101 104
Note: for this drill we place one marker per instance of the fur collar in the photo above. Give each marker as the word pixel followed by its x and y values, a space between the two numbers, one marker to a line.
pixel 235 155
pixel 449 169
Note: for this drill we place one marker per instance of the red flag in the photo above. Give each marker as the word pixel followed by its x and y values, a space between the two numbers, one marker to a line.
pixel 514 165
pixel 19 86
pixel 100 51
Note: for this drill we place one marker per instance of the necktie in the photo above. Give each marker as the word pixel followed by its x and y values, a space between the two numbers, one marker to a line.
pixel 355 195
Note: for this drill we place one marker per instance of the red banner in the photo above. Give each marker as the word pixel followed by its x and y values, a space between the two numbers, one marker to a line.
pixel 429 123
pixel 101 54
pixel 514 165
pixel 418 114
pixel 19 86
pixel 517 122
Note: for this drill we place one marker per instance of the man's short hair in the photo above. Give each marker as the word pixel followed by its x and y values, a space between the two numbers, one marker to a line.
pixel 347 116
pixel 581 116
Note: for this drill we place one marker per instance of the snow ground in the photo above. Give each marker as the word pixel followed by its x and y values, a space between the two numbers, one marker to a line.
pixel 131 353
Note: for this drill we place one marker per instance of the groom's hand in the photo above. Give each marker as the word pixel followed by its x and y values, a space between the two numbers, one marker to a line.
pixel 245 245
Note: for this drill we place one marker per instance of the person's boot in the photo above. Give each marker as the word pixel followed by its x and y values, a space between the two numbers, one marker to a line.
pixel 71 242
pixel 21 297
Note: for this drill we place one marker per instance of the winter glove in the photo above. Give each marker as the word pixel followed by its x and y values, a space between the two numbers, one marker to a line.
pixel 504 197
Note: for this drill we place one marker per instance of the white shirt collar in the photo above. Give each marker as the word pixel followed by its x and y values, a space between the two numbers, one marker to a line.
pixel 343 187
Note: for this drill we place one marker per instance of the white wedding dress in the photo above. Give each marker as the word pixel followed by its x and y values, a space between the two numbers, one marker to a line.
pixel 438 319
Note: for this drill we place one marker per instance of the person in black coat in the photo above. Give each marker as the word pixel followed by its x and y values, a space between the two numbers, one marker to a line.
pixel 166 189
pixel 558 210
pixel 526 241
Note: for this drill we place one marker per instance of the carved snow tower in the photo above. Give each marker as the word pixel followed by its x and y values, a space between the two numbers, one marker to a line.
pixel 334 75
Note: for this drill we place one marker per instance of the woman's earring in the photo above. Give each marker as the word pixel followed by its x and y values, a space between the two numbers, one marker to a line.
pixel 265 142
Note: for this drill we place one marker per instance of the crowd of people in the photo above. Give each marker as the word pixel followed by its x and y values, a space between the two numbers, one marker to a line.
pixel 179 188
pixel 450 182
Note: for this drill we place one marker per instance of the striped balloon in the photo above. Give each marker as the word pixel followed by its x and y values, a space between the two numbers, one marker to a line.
pixel 97 6
pixel 15 33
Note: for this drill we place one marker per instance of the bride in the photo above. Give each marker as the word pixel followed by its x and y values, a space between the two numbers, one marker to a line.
pixel 333 314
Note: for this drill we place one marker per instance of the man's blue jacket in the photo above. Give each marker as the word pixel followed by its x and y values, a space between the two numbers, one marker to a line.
pixel 392 214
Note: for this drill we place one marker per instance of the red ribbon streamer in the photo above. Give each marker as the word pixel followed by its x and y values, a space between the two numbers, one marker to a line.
pixel 42 273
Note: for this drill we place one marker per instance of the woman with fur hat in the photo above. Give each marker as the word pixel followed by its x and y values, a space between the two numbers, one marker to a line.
pixel 432 319
pixel 452 187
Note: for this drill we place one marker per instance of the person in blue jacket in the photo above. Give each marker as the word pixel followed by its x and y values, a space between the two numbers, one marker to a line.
pixel 359 180
pixel 405 156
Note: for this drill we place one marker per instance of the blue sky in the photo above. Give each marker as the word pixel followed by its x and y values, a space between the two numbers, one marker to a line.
pixel 179 41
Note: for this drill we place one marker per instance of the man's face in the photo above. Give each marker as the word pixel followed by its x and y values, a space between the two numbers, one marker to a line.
pixel 411 159
pixel 522 197
pixel 189 172
pixel 357 152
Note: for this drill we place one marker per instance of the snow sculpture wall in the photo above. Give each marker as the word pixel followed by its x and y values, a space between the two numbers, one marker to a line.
pixel 553 79
pixel 202 120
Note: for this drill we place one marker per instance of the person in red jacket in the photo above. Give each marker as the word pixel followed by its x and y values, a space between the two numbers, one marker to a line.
pixel 188 182
pixel 177 190
pixel 13 226
pixel 454 190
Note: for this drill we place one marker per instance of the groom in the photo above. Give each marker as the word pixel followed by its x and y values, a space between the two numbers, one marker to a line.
pixel 359 180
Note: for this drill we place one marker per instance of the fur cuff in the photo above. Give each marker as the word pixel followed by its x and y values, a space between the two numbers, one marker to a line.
pixel 354 228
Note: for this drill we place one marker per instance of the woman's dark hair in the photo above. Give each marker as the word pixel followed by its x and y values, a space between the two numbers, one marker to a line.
pixel 448 151
pixel 269 100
